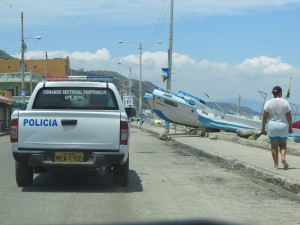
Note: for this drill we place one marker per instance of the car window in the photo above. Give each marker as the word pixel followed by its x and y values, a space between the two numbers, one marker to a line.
pixel 83 98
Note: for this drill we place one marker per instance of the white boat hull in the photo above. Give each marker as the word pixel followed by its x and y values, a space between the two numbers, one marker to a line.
pixel 173 109
pixel 218 120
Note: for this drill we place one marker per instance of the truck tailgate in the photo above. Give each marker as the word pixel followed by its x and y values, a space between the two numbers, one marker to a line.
pixel 90 130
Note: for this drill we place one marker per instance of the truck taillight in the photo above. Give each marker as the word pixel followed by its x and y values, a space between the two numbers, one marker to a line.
pixel 14 130
pixel 124 134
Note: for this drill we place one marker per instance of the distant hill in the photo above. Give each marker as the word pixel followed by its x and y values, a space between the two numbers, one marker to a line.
pixel 252 104
pixel 121 82
pixel 232 108
pixel 4 55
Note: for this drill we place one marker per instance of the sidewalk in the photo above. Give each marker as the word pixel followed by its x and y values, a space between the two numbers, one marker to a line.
pixel 2 133
pixel 253 157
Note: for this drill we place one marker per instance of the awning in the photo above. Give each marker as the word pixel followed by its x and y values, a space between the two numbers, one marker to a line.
pixel 6 100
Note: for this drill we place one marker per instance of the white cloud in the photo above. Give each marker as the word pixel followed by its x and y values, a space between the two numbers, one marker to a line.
pixel 78 60
pixel 219 80
pixel 265 65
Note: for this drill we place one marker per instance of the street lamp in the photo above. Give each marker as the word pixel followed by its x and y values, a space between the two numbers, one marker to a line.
pixel 23 48
pixel 140 82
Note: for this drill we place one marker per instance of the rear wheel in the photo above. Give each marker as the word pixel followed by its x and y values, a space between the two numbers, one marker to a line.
pixel 24 174
pixel 121 174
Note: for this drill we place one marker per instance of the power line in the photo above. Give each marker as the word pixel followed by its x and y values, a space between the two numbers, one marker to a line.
pixel 6 3
pixel 159 23
pixel 10 5
pixel 156 29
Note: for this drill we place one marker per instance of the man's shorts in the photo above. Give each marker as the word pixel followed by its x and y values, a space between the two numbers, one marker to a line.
pixel 280 139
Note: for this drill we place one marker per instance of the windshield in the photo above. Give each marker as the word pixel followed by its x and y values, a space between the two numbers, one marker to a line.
pixel 197 145
pixel 83 98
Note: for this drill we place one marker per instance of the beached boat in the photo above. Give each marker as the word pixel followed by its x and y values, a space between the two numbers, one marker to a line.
pixel 217 119
pixel 222 121
pixel 188 110
pixel 173 108
pixel 150 99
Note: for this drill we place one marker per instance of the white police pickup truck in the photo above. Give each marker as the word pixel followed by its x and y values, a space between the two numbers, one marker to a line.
pixel 72 125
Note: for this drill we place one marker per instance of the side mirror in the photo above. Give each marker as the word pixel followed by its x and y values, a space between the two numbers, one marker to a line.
pixel 130 112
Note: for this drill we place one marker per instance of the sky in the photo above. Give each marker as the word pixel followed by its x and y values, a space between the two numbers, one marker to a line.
pixel 222 48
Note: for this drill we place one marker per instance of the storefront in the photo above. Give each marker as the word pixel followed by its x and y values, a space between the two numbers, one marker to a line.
pixel 11 92
pixel 11 84
pixel 5 112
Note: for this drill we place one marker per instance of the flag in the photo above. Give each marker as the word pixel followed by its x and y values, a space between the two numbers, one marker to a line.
pixel 288 92
pixel 165 74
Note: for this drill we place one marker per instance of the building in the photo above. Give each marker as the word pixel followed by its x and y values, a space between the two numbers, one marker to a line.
pixel 11 84
pixel 41 67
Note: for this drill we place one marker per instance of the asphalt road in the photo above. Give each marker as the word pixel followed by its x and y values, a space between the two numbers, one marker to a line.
pixel 166 183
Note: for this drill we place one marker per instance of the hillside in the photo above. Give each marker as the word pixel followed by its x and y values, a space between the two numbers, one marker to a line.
pixel 4 55
pixel 231 108
pixel 121 82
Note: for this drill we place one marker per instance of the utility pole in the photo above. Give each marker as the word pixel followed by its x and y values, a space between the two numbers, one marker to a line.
pixel 130 81
pixel 170 50
pixel 23 49
pixel 30 79
pixel 46 72
pixel 141 76
pixel 140 88
pixel 22 61
pixel 167 125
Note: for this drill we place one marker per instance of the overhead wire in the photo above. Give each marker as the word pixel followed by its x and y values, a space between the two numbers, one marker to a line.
pixel 159 24
pixel 6 3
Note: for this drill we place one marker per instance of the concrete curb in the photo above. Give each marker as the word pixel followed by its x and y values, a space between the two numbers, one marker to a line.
pixel 282 181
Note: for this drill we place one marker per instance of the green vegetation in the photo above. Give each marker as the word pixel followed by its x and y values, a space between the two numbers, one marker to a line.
pixel 4 55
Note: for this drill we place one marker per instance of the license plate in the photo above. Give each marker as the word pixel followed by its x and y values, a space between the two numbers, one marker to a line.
pixel 68 157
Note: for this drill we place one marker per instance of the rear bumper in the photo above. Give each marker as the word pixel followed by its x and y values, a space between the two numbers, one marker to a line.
pixel 93 160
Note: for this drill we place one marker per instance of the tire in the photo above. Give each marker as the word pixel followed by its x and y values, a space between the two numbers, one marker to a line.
pixel 121 174
pixel 24 174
